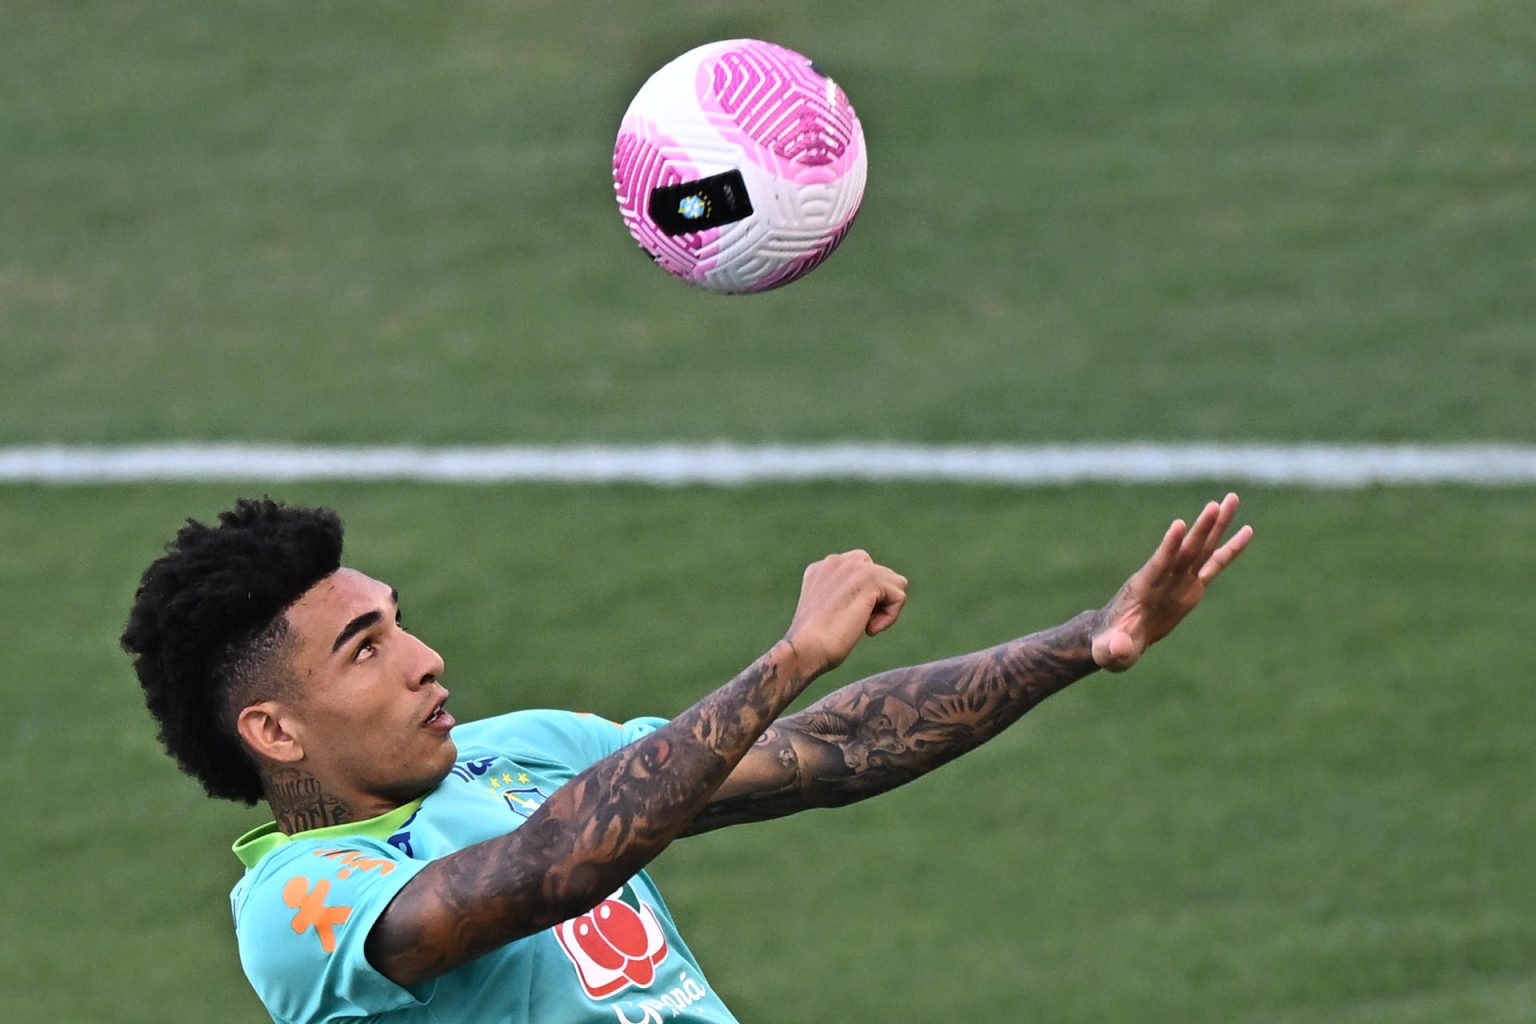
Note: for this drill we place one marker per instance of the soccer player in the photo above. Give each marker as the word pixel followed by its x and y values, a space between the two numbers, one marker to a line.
pixel 421 870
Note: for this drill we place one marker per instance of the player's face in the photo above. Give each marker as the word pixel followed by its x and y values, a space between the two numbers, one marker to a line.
pixel 369 709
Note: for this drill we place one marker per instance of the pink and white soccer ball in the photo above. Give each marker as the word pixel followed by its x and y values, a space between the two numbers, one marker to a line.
pixel 739 167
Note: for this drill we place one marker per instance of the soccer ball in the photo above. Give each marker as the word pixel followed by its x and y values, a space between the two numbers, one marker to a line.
pixel 739 167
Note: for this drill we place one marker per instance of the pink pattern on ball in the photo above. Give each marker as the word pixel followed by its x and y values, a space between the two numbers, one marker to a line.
pixel 644 159
pixel 785 115
pixel 802 265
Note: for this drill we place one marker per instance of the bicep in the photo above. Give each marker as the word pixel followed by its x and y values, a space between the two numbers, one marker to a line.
pixel 429 927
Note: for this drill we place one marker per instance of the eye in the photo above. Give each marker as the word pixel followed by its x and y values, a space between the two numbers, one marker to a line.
pixel 364 650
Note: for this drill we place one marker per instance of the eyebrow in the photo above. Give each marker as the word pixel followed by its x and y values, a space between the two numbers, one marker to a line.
pixel 362 622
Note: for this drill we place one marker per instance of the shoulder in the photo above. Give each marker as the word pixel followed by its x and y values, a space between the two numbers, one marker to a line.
pixel 302 915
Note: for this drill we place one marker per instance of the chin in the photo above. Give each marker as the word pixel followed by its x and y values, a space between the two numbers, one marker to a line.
pixel 429 772
pixel 443 763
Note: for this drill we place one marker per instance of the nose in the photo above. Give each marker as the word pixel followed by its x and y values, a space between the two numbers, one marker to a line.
pixel 429 668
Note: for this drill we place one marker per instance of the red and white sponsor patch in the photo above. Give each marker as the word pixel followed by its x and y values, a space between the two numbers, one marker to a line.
pixel 617 944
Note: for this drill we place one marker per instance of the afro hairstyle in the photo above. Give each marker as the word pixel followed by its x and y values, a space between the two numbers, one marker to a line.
pixel 207 617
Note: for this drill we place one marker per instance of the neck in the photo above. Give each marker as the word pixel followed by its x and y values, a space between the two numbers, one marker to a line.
pixel 300 802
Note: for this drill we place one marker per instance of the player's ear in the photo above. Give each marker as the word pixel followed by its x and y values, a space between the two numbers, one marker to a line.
pixel 267 730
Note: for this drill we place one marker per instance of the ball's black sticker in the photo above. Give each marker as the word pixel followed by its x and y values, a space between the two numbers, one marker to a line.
pixel 698 205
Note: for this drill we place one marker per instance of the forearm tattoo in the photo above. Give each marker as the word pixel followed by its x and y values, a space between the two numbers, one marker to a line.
pixel 594 832
pixel 881 732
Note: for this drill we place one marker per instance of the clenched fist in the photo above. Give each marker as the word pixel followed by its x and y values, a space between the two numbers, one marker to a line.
pixel 842 597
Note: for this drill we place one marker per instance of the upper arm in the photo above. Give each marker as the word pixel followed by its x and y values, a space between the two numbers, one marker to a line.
pixel 589 836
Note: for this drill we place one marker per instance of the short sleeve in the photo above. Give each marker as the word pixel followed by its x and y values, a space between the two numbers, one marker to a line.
pixel 564 737
pixel 636 727
pixel 301 919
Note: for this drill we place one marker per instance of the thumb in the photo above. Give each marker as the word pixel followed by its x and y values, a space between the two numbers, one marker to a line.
pixel 1115 650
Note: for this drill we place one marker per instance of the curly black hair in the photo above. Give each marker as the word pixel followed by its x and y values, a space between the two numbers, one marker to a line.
pixel 207 628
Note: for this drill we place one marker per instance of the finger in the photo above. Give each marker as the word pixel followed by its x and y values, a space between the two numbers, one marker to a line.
pixel 1225 554
pixel 885 614
pixel 1197 543
pixel 888 606
pixel 1224 516
pixel 1123 648
pixel 1168 547
pixel 1115 651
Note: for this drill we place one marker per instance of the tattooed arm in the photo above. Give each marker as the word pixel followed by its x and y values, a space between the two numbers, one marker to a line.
pixel 879 733
pixel 608 822
pixel 886 730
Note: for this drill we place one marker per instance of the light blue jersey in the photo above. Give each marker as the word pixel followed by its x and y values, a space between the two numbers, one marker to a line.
pixel 307 902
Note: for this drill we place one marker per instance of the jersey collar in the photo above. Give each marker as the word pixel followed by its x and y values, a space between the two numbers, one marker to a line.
pixel 260 841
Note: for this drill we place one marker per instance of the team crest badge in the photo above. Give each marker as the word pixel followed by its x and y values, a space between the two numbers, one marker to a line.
pixel 615 945
pixel 523 800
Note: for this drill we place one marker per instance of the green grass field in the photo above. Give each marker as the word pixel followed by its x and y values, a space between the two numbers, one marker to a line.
pixel 379 222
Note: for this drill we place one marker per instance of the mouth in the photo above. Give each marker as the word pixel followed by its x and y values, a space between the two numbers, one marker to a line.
pixel 440 718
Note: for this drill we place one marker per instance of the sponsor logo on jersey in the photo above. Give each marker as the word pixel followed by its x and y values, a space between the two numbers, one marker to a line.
pixel 616 945
pixel 657 1008
pixel 312 911
pixel 401 840
pixel 353 860
pixel 469 771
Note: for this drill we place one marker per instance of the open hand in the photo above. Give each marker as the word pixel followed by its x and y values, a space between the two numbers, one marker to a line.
pixel 1158 596
pixel 843 597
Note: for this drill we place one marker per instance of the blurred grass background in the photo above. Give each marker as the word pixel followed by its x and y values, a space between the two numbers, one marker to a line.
pixel 1085 220
pixel 1100 220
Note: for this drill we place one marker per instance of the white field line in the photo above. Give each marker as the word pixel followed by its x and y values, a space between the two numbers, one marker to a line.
pixel 727 464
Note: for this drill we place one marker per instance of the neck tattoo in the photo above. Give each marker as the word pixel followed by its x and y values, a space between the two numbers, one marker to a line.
pixel 299 803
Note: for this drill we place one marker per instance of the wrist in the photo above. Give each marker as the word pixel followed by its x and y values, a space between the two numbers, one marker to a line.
pixel 794 663
pixel 1075 638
